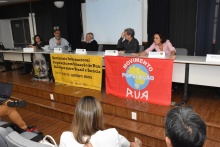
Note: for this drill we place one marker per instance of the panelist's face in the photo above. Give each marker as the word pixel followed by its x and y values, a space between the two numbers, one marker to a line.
pixel 157 39
pixel 88 38
pixel 40 66
pixel 57 35
pixel 37 39
pixel 127 37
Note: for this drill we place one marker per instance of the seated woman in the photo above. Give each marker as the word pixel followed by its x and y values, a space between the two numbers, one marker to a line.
pixel 159 44
pixel 38 43
pixel 88 128
pixel 7 109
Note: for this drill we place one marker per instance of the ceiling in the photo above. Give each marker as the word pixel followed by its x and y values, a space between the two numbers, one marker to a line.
pixel 11 2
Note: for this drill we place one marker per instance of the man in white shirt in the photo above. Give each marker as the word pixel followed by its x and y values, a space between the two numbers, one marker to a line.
pixel 58 42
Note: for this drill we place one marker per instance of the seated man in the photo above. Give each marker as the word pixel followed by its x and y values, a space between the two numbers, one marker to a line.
pixel 184 128
pixel 127 43
pixel 91 43
pixel 58 42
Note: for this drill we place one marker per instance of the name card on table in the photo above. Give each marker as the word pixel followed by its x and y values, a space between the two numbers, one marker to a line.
pixel 28 49
pixel 212 58
pixel 81 51
pixel 111 52
pixel 156 55
pixel 57 50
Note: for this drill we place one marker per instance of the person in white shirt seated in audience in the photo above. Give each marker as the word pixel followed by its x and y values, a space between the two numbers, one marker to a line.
pixel 88 128
pixel 91 43
pixel 184 128
pixel 58 42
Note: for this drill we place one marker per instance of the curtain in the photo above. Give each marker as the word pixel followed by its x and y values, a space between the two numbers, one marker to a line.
pixel 74 23
pixel 205 25
pixel 183 24
pixel 158 18
pixel 217 42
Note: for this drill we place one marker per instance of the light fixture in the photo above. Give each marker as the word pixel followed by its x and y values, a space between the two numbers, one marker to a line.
pixel 59 4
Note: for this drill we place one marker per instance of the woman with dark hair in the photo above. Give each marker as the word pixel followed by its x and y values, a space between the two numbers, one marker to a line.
pixel 38 43
pixel 160 44
pixel 88 128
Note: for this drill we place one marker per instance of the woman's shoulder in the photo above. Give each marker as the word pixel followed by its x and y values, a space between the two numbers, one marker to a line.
pixel 110 130
pixel 67 140
pixel 106 138
pixel 107 132
pixel 67 134
pixel 167 41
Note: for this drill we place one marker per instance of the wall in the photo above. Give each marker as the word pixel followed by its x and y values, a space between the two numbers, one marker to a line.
pixel 46 14
pixel 6 33
pixel 112 22
pixel 14 11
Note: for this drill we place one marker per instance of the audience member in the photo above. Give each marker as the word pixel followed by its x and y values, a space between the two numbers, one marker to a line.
pixel 7 109
pixel 127 43
pixel 159 44
pixel 38 43
pixel 88 128
pixel 184 128
pixel 58 42
pixel 91 43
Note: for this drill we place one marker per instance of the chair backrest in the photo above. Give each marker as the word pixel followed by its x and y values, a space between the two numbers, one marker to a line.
pixel 100 48
pixel 181 51
pixel 2 122
pixel 3 133
pixel 141 48
pixel 14 139
pixel 1 57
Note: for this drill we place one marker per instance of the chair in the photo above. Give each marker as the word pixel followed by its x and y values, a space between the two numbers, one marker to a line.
pixel 100 48
pixel 14 139
pixel 141 48
pixel 181 51
pixel 1 57
pixel 6 129
pixel 2 122
pixel 3 133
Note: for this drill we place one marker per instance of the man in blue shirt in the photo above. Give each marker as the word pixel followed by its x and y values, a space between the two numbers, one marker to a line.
pixel 58 42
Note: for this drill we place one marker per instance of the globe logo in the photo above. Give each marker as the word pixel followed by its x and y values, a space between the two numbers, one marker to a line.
pixel 137 76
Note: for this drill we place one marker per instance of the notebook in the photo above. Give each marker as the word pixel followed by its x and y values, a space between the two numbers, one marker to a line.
pixel 5 91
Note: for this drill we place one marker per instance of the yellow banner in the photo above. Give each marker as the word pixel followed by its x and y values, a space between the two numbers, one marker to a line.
pixel 77 70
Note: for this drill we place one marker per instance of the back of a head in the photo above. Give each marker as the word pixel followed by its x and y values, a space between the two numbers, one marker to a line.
pixel 185 128
pixel 88 118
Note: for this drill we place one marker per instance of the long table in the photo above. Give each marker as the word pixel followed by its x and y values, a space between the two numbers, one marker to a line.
pixel 195 70
pixel 186 69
